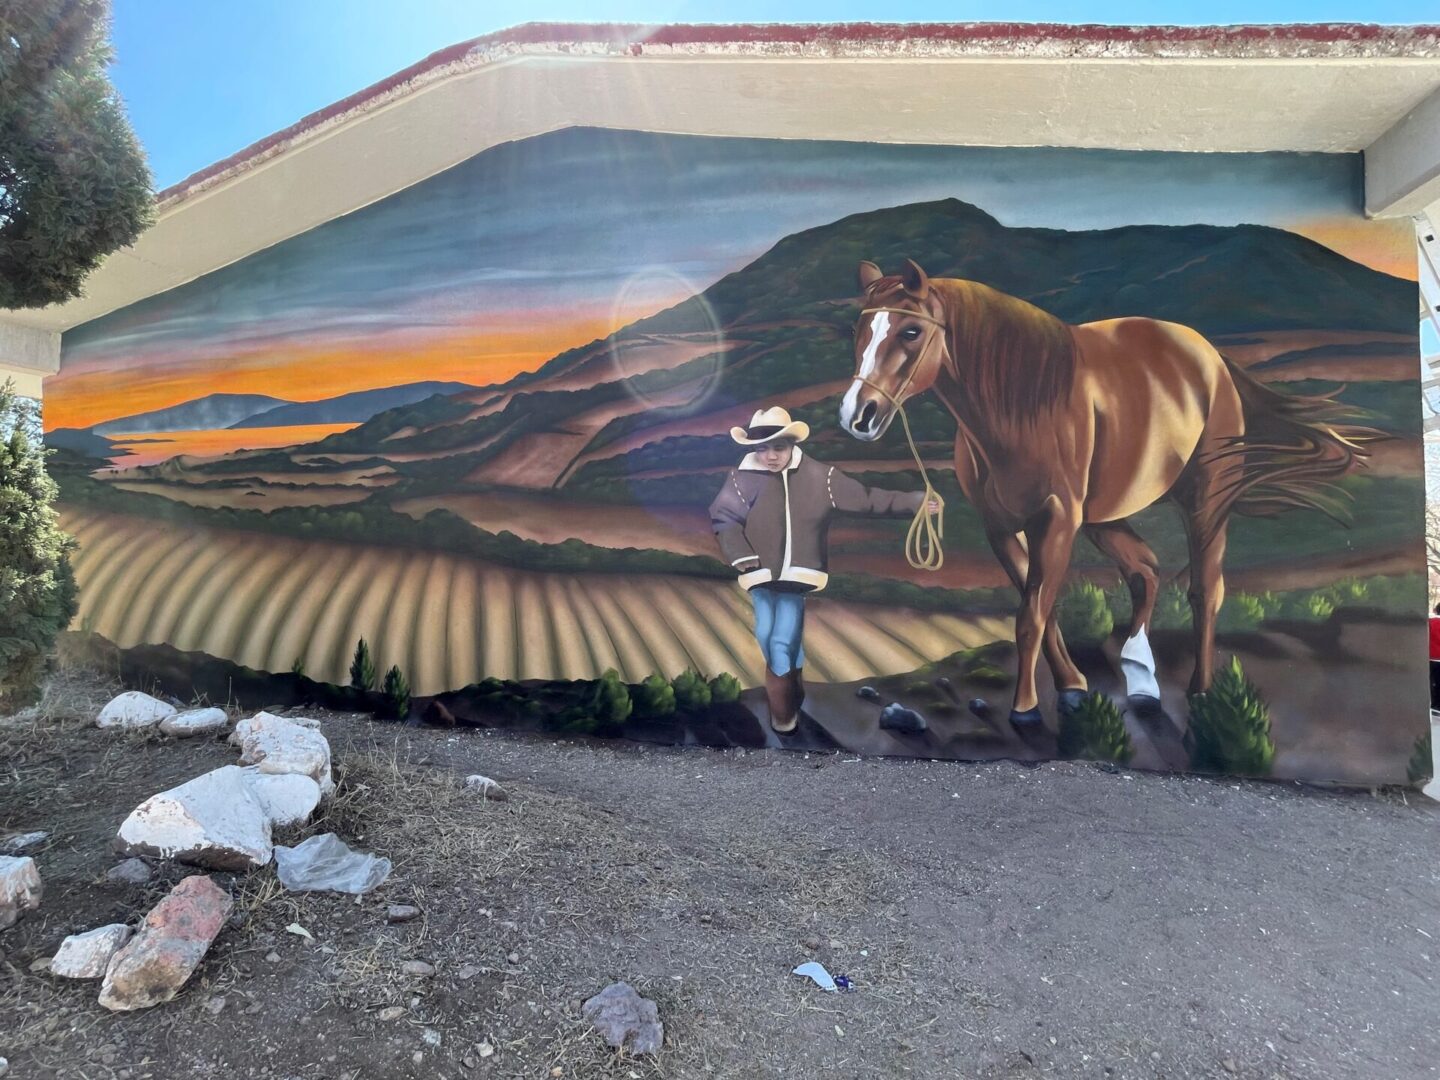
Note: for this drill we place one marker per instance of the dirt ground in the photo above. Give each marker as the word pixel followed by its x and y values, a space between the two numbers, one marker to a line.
pixel 998 920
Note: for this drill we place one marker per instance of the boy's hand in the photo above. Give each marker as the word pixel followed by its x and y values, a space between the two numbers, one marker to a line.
pixel 932 506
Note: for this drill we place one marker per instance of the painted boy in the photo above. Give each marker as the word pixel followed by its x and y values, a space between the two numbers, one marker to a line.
pixel 772 518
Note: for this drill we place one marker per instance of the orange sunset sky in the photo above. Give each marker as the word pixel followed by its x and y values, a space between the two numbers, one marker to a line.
pixel 313 372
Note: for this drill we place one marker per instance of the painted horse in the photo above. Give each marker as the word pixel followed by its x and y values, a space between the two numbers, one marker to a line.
pixel 1067 429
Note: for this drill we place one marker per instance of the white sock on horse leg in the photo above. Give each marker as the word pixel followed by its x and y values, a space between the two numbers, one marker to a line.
pixel 1137 663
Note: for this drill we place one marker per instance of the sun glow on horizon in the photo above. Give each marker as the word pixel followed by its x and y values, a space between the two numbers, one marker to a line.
pixel 1387 246
pixel 93 394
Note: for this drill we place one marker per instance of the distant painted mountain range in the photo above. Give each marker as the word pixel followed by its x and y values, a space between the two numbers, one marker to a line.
pixel 353 408
pixel 219 411
pixel 202 414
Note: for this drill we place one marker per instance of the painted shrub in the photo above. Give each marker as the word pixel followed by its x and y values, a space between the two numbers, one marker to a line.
pixel 478 425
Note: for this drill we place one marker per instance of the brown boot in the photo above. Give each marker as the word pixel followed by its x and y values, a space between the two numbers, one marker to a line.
pixel 797 691
pixel 778 693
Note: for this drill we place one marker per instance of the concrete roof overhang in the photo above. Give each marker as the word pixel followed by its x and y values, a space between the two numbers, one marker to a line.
pixel 1330 88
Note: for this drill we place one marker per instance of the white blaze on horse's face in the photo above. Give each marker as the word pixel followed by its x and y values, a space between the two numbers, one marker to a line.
pixel 861 404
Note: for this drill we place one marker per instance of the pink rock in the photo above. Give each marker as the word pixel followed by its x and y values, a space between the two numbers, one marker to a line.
pixel 168 947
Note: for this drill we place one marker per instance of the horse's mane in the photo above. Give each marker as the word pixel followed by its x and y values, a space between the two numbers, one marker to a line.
pixel 1013 360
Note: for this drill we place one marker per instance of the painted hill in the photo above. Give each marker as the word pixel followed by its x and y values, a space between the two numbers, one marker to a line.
pixel 202 414
pixel 83 442
pixel 350 408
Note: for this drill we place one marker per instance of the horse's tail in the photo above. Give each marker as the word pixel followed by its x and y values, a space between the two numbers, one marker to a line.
pixel 1294 448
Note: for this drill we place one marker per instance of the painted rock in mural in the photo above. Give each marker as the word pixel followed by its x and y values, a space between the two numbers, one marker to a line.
pixel 896 717
pixel 168 948
pixel 20 888
pixel 221 819
pixel 133 709
pixel 278 744
pixel 194 722
pixel 87 955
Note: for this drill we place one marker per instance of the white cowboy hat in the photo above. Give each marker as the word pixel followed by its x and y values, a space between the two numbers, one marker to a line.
pixel 770 424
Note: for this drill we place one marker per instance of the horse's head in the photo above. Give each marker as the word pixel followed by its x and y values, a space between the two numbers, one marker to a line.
pixel 900 348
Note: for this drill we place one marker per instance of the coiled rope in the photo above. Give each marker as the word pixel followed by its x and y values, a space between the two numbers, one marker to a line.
pixel 924 540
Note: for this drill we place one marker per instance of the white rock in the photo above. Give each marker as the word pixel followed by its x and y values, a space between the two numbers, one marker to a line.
pixel 20 888
pixel 288 798
pixel 133 709
pixel 86 956
pixel 22 842
pixel 280 745
pixel 220 820
pixel 485 787
pixel 194 722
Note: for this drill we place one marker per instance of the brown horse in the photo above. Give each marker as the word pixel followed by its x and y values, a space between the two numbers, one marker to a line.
pixel 1063 429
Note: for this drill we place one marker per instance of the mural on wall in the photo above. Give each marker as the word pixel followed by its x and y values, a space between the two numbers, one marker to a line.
pixel 600 432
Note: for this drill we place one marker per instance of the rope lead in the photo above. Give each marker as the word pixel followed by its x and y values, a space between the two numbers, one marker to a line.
pixel 924 541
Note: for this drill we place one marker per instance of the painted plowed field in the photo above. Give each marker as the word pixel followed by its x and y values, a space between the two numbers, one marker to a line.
pixel 448 621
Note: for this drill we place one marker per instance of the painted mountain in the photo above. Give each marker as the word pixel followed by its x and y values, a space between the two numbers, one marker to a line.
pixel 349 408
pixel 202 414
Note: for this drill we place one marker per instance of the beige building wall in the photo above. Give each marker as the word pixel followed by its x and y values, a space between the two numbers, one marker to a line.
pixel 28 382
pixel 27 355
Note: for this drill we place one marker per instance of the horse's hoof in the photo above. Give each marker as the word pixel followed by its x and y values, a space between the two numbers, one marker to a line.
pixel 1068 701
pixel 1145 706
pixel 1030 718
pixel 980 708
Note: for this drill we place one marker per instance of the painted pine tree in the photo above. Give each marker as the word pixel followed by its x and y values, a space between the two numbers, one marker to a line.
pixel 362 667
pixel 1230 726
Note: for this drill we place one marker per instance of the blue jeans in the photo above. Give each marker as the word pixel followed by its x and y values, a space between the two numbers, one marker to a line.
pixel 779 624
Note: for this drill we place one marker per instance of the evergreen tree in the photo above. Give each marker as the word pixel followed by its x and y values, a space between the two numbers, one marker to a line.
pixel 73 181
pixel 362 668
pixel 1095 731
pixel 397 693
pixel 1230 726
pixel 37 588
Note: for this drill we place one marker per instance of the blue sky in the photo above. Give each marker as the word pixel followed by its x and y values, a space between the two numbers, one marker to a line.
pixel 203 80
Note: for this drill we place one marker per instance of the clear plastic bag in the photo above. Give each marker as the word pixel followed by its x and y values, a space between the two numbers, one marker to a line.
pixel 324 864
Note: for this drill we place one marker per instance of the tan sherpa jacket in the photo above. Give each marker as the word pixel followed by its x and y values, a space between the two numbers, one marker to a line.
pixel 773 527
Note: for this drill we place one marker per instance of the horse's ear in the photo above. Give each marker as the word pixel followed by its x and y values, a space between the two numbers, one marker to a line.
pixel 915 280
pixel 869 274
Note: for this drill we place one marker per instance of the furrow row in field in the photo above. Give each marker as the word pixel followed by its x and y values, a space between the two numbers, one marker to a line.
pixel 447 620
